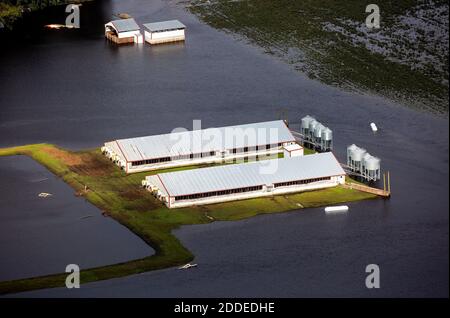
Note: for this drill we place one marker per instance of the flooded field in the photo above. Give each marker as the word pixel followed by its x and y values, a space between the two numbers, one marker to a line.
pixel 77 90
pixel 41 235
pixel 406 59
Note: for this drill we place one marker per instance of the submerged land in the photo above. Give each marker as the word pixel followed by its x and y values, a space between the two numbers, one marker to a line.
pixel 121 197
pixel 405 60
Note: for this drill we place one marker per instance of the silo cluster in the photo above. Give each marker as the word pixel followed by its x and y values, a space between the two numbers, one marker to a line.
pixel 360 161
pixel 315 134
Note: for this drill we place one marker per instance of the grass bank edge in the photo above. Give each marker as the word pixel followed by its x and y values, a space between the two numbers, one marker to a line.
pixel 157 231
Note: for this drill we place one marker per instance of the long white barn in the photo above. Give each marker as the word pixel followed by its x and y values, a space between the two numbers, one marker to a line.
pixel 247 180
pixel 199 146
pixel 164 32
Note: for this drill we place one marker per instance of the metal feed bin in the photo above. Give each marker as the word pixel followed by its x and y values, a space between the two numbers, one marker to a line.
pixel 350 150
pixel 304 129
pixel 357 158
pixel 312 126
pixel 318 134
pixel 372 168
pixel 327 139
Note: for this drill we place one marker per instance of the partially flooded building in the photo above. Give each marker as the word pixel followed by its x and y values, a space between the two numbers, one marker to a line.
pixel 246 180
pixel 164 32
pixel 123 31
pixel 201 146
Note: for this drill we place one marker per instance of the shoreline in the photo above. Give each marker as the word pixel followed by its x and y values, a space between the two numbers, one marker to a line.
pixel 137 210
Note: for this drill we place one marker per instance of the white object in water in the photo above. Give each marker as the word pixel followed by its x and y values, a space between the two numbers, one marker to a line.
pixel 39 180
pixel 338 208
pixel 187 266
pixel 44 194
pixel 374 127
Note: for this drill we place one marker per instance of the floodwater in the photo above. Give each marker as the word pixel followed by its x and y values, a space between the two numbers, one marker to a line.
pixel 77 90
pixel 40 236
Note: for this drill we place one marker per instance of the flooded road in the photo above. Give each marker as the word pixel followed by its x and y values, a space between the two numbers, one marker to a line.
pixel 78 91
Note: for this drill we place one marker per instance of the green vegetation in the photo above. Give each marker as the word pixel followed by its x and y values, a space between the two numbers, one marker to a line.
pixel 9 14
pixel 121 197
pixel 12 10
pixel 405 60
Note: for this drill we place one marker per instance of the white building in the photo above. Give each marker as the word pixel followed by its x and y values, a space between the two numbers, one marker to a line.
pixel 123 31
pixel 294 150
pixel 199 146
pixel 247 180
pixel 164 32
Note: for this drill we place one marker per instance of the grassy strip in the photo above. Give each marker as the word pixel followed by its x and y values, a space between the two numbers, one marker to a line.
pixel 121 197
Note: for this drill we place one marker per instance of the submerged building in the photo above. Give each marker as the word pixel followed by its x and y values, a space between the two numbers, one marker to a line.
pixel 201 146
pixel 164 32
pixel 247 180
pixel 123 31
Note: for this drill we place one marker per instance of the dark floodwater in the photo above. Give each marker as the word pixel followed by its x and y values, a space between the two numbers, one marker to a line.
pixel 40 236
pixel 78 90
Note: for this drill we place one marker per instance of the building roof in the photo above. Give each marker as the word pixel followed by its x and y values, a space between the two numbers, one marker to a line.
pixel 293 147
pixel 164 26
pixel 243 175
pixel 125 25
pixel 187 142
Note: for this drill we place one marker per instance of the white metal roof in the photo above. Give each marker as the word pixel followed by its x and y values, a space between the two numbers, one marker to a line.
pixel 293 147
pixel 205 140
pixel 125 25
pixel 247 174
pixel 164 26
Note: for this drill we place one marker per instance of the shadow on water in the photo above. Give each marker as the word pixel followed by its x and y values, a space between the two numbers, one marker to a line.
pixel 30 29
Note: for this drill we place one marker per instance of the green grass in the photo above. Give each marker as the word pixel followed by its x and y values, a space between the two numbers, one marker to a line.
pixel 9 14
pixel 295 31
pixel 13 11
pixel 122 198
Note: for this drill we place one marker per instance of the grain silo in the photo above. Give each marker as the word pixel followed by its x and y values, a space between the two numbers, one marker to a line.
pixel 318 135
pixel 327 139
pixel 304 129
pixel 312 126
pixel 357 158
pixel 315 135
pixel 372 168
pixel 350 150
pixel 363 163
